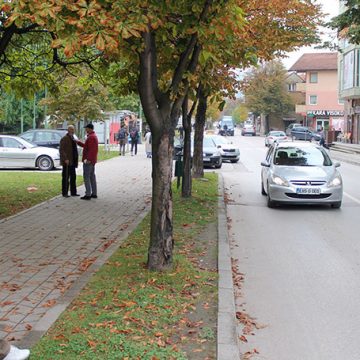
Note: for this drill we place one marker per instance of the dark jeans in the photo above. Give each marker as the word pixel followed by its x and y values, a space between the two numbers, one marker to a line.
pixel 68 176
pixel 134 145
pixel 89 179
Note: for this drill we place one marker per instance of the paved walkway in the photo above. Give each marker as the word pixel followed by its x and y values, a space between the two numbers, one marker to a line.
pixel 48 251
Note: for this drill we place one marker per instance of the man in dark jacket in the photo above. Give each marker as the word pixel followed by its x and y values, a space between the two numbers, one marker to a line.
pixel 69 161
pixel 89 159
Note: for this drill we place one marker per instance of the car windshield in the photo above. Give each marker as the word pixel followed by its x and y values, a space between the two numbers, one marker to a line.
pixel 208 143
pixel 227 123
pixel 219 140
pixel 306 156
pixel 276 133
pixel 26 143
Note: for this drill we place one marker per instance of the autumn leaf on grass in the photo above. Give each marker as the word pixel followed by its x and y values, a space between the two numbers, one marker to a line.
pixel 92 344
pixel 32 188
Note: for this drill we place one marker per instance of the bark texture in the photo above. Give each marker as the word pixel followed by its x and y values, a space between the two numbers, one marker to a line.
pixel 186 180
pixel 200 120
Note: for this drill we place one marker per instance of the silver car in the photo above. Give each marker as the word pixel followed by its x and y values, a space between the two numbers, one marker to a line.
pixel 228 150
pixel 300 173
pixel 275 136
pixel 16 152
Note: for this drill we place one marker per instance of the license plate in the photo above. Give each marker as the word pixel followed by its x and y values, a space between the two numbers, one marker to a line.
pixel 308 191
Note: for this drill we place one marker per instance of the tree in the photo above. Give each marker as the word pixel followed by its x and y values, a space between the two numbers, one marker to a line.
pixel 348 22
pixel 265 91
pixel 161 44
pixel 77 98
pixel 240 113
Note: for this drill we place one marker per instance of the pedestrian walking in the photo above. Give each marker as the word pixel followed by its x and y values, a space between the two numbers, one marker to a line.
pixel 148 145
pixel 134 138
pixel 69 160
pixel 89 159
pixel 122 137
pixel 11 352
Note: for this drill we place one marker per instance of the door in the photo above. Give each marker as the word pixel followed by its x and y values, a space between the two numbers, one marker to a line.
pixel 322 123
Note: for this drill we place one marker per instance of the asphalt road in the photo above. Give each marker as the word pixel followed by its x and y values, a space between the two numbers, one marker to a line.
pixel 301 266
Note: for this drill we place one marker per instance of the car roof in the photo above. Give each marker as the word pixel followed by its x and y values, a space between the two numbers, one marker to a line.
pixel 301 144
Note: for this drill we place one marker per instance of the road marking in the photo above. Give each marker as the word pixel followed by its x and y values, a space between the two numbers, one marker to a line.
pixel 352 198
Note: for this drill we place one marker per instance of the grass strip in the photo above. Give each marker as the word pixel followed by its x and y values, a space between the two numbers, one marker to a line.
pixel 128 312
pixel 22 190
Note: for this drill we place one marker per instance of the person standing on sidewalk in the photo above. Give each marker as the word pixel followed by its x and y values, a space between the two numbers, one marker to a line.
pixel 134 138
pixel 11 352
pixel 69 161
pixel 122 138
pixel 89 159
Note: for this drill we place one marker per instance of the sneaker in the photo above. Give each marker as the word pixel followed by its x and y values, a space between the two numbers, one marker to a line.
pixel 85 197
pixel 17 354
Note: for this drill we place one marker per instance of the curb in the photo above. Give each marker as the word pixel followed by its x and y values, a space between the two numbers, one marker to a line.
pixel 227 339
pixel 63 302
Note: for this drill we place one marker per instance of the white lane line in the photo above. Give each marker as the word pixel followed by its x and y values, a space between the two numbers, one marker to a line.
pixel 352 198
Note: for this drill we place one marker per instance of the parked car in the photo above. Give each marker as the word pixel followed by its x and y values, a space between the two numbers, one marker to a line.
pixel 228 150
pixel 248 129
pixel 300 173
pixel 275 136
pixel 304 133
pixel 44 137
pixel 226 126
pixel 211 154
pixel 290 127
pixel 16 152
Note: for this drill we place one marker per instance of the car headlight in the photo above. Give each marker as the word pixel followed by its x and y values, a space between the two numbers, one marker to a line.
pixel 279 181
pixel 336 181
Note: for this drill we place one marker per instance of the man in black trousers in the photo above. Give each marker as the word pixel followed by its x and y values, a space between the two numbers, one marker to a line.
pixel 69 161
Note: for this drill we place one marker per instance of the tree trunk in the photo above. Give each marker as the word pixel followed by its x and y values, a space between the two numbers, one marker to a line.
pixel 186 180
pixel 198 164
pixel 161 237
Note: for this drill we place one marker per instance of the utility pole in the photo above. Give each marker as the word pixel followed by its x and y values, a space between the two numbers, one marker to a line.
pixel 34 118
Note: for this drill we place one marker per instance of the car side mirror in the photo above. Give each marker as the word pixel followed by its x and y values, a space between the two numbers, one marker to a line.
pixel 265 163
pixel 337 164
pixel 219 146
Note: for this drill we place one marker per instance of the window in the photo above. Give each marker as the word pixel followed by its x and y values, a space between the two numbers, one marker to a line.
pixel 27 136
pixel 292 87
pixel 314 77
pixel 11 143
pixel 313 100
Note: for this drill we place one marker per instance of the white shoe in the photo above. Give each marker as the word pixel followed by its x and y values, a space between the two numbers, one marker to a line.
pixel 17 354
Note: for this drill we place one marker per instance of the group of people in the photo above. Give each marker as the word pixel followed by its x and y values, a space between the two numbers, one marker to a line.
pixel 129 131
pixel 69 160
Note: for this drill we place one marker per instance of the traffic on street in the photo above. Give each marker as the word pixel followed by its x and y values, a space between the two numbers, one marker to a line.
pixel 299 266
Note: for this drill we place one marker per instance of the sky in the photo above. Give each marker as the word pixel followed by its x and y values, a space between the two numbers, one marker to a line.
pixel 330 7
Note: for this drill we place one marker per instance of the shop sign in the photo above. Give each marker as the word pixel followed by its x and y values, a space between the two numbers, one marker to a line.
pixel 326 113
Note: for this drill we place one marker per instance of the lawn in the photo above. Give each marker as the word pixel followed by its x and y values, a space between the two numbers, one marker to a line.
pixel 128 312
pixel 20 190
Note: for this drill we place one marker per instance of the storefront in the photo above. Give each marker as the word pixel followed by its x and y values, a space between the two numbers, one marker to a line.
pixel 326 119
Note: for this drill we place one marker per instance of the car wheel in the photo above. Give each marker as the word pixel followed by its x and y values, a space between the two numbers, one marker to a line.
pixel 45 163
pixel 270 203
pixel 234 161
pixel 218 166
pixel 262 189
pixel 336 205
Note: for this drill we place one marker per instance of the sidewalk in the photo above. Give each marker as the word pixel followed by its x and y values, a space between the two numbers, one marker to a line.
pixel 49 251
pixel 345 157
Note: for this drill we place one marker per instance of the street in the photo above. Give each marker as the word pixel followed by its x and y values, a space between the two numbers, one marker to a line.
pixel 300 266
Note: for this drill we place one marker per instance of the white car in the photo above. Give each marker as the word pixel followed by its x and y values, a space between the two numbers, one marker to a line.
pixel 228 150
pixel 275 136
pixel 16 152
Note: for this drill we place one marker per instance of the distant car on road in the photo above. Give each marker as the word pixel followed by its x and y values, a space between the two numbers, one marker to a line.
pixel 226 126
pixel 211 154
pixel 248 129
pixel 16 152
pixel 304 133
pixel 228 150
pixel 300 173
pixel 44 137
pixel 292 126
pixel 275 136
